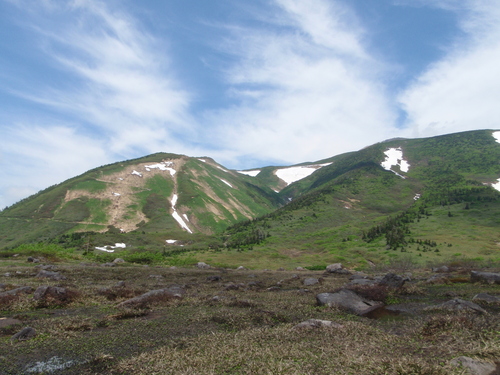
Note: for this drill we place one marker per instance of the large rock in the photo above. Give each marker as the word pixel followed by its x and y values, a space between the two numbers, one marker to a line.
pixel 44 274
pixel 458 304
pixel 486 298
pixel 311 281
pixel 348 300
pixel 337 268
pixel 17 291
pixel 485 277
pixel 53 294
pixel 157 295
pixel 474 367
pixel 25 334
pixel 392 280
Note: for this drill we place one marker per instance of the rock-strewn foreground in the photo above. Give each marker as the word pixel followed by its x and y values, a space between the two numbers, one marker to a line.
pixel 131 319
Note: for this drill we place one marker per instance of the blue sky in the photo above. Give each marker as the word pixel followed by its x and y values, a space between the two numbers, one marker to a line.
pixel 268 82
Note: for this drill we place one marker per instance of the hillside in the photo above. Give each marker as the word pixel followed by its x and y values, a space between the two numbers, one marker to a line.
pixel 172 194
pixel 427 198
pixel 387 200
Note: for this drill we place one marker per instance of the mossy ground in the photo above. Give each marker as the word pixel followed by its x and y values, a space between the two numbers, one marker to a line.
pixel 246 330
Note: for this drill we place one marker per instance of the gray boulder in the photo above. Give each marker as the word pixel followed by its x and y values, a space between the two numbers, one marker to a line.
pixel 311 281
pixel 486 298
pixel 17 291
pixel 392 280
pixel 203 265
pixel 474 367
pixel 44 292
pixel 44 274
pixel 348 300
pixel 485 277
pixel 458 304
pixel 158 295
pixel 118 260
pixel 438 279
pixel 25 334
pixel 337 268
pixel 317 323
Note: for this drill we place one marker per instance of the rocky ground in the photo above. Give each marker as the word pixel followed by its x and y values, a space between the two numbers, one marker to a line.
pixel 119 318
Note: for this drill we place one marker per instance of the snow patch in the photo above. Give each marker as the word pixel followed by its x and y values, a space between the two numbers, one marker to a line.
pixel 292 174
pixel 496 135
pixel 121 245
pixel 417 196
pixel 105 248
pixel 116 194
pixel 394 157
pixel 496 186
pixel 136 173
pixel 171 241
pixel 203 160
pixel 222 169
pixel 251 173
pixel 186 217
pixel 178 217
pixel 163 166
pixel 227 183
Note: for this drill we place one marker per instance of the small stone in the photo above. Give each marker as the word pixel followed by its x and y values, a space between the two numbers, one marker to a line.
pixel 473 366
pixel 317 323
pixel 50 275
pixel 300 269
pixel 118 260
pixel 203 265
pixel 214 278
pixel 442 269
pixel 348 300
pixel 311 281
pixel 25 334
pixel 240 268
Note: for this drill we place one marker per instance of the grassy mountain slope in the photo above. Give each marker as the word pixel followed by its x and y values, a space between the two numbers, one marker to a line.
pixel 166 193
pixel 333 209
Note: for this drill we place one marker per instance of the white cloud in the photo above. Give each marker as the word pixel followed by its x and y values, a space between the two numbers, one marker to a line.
pixel 303 94
pixel 461 91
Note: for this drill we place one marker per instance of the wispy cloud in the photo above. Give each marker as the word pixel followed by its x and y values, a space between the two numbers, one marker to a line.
pixel 122 84
pixel 303 86
pixel 460 91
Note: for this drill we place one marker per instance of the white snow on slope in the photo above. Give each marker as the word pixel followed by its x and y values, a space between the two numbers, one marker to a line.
pixel 222 169
pixel 496 135
pixel 497 185
pixel 251 173
pixel 136 173
pixel 163 166
pixel 393 157
pixel 178 217
pixel 109 249
pixel 293 174
pixel 227 183
pixel 170 241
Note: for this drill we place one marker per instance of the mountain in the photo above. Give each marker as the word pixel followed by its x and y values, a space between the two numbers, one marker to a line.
pixel 418 196
pixel 168 193
pixel 401 195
